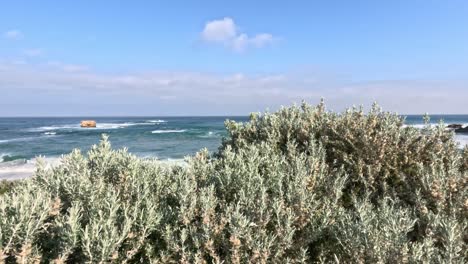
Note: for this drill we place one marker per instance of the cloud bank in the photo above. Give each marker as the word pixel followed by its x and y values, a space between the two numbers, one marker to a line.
pixel 226 32
pixel 66 89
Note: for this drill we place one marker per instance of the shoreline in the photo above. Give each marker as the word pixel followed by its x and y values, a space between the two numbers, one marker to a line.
pixel 13 172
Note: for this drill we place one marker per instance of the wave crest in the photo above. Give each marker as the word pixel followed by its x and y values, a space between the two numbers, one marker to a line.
pixel 18 139
pixel 99 126
pixel 168 131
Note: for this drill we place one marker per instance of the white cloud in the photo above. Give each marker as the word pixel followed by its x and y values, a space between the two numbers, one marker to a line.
pixel 262 40
pixel 13 34
pixel 220 30
pixel 226 32
pixel 33 52
pixel 239 43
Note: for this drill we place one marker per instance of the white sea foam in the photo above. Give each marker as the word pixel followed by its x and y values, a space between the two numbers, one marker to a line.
pixel 209 134
pixel 168 131
pixel 99 126
pixel 157 121
pixel 50 128
pixel 17 139
pixel 20 169
pixel 50 133
pixel 139 124
pixel 418 126
pixel 119 125
pixel 172 162
pixel 421 126
pixel 166 161
pixel 462 140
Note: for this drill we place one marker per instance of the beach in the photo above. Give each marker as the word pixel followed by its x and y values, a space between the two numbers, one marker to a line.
pixel 17 171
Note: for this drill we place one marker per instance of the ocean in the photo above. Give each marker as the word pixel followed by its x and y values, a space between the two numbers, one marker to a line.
pixel 165 138
pixel 161 137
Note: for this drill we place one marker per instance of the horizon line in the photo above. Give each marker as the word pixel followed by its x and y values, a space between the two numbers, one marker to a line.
pixel 171 116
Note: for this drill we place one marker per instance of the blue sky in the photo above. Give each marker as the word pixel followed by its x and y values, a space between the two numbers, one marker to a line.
pixel 220 57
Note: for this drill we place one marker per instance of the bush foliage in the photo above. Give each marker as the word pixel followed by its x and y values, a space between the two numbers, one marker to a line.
pixel 301 185
pixel 6 186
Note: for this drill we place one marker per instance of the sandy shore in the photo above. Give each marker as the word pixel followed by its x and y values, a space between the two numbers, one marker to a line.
pixel 12 171
pixel 16 173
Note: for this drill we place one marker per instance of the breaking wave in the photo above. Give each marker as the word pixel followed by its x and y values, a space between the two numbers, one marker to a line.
pixel 168 131
pixel 157 121
pixel 23 168
pixel 421 126
pixel 7 158
pixel 462 140
pixel 3 156
pixel 99 126
pixel 210 134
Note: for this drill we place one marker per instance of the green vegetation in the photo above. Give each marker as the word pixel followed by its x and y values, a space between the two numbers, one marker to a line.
pixel 299 185
pixel 6 186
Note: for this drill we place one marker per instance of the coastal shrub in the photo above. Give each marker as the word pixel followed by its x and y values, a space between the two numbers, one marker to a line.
pixel 377 151
pixel 6 186
pixel 301 185
pixel 464 166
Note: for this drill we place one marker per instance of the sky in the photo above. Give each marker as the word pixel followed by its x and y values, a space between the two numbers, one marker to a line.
pixel 99 58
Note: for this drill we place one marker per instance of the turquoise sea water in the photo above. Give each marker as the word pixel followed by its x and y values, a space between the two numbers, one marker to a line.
pixel 161 137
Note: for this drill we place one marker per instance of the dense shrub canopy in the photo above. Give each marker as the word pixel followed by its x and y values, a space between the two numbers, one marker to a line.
pixel 299 185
